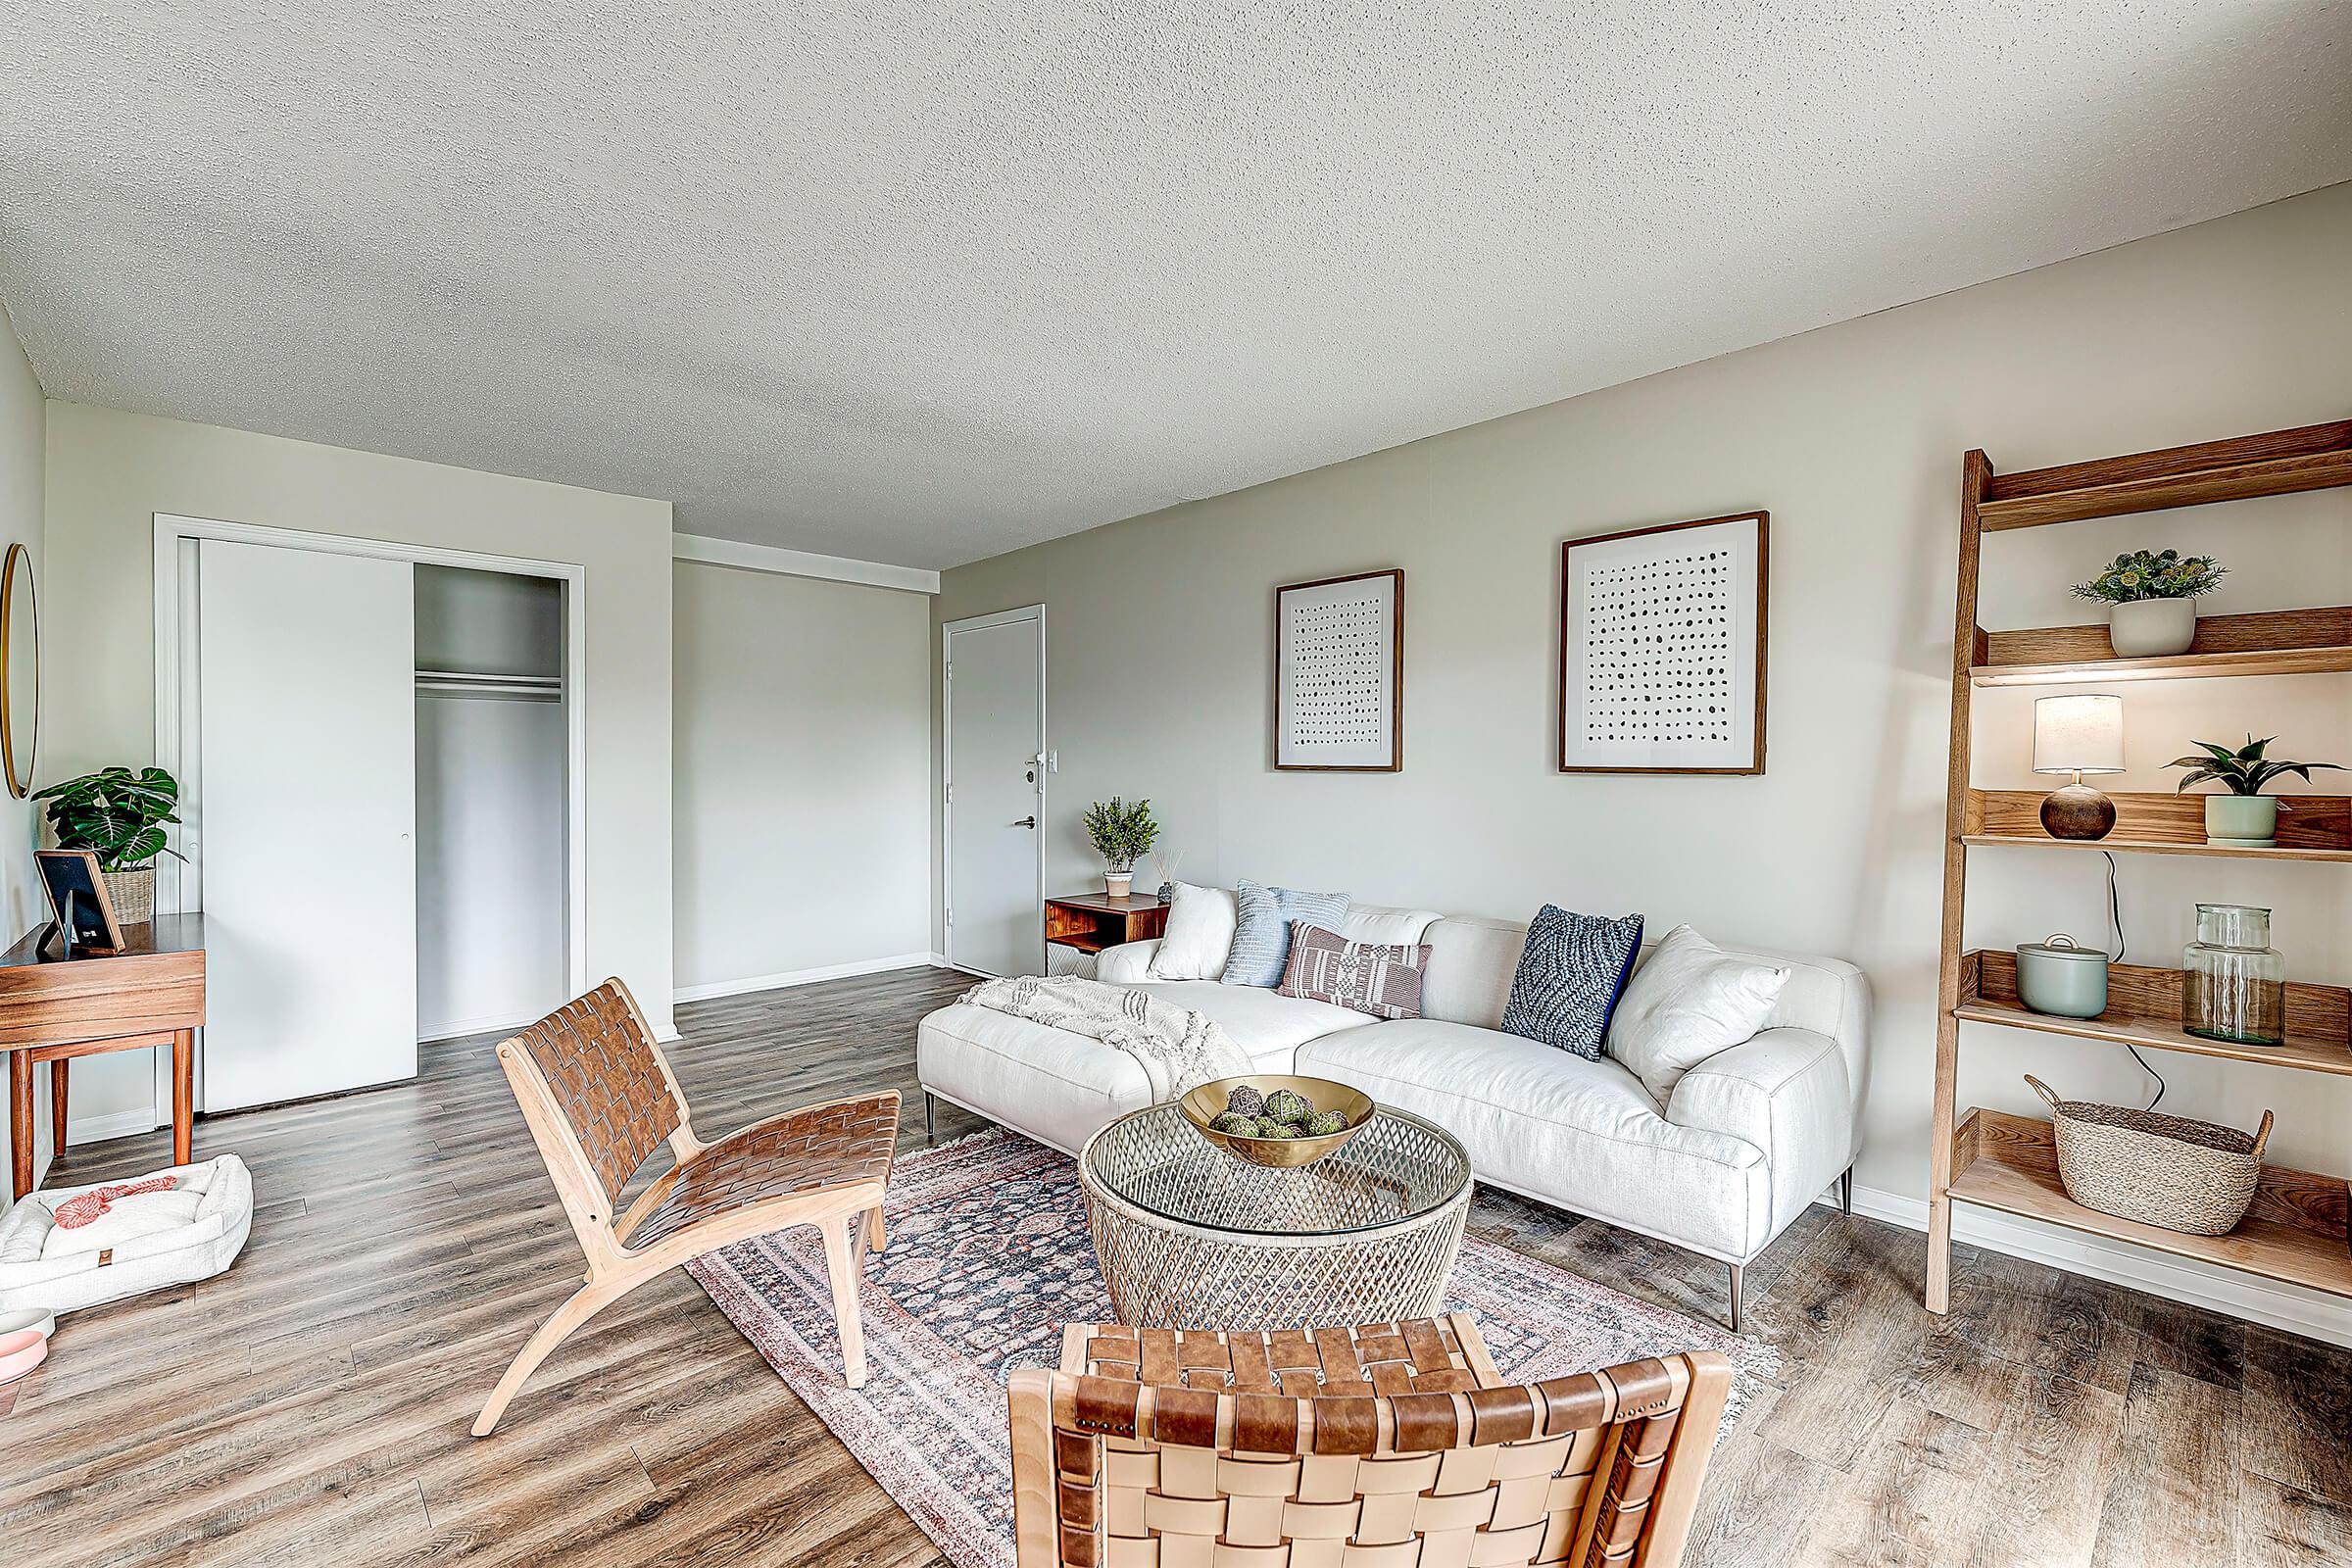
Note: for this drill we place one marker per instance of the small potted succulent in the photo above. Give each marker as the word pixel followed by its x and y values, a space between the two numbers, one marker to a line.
pixel 2151 601
pixel 1123 834
pixel 2241 816
pixel 119 817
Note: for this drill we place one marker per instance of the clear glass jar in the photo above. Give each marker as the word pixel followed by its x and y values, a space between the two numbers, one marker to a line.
pixel 2234 982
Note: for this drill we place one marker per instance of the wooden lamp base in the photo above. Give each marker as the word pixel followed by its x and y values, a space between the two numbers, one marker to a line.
pixel 2077 812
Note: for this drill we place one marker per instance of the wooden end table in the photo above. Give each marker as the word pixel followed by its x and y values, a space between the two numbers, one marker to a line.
pixel 1092 921
pixel 150 995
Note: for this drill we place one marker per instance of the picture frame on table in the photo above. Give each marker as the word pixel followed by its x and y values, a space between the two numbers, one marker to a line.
pixel 83 912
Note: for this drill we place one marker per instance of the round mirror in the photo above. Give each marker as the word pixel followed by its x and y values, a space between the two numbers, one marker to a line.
pixel 19 671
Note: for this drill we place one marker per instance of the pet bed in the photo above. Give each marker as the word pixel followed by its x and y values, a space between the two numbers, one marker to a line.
pixel 47 1266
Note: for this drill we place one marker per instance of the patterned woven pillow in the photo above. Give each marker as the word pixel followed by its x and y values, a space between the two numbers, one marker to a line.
pixel 1367 977
pixel 1570 975
pixel 1261 936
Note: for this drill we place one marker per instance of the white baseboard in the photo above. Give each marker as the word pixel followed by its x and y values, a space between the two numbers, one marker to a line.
pixel 2240 1295
pixel 803 977
pixel 98 1129
pixel 459 1028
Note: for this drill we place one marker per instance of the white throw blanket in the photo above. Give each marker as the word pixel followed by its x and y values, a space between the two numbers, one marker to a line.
pixel 1177 1049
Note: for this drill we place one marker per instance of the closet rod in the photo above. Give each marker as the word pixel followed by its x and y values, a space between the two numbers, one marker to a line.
pixel 472 678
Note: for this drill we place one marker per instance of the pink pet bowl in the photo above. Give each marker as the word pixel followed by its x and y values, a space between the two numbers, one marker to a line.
pixel 21 1352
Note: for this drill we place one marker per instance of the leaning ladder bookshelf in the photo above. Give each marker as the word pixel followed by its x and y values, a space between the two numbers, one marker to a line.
pixel 2296 1229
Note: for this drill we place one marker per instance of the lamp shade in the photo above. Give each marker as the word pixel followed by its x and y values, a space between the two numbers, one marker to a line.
pixel 2079 734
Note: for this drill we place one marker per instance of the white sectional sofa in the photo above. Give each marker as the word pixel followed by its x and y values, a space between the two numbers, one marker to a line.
pixel 1748 1139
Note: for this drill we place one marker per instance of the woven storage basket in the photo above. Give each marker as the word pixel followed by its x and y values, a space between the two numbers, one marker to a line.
pixel 2183 1175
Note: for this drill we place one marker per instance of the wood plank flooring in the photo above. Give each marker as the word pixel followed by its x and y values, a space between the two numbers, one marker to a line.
pixel 310 1407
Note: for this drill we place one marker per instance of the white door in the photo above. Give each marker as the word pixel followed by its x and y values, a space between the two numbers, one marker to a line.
pixel 996 720
pixel 307 714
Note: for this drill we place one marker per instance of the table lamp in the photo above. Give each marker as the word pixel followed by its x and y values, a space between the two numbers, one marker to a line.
pixel 2078 735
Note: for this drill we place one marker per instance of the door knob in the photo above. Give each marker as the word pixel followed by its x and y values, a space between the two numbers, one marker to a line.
pixel 1027 821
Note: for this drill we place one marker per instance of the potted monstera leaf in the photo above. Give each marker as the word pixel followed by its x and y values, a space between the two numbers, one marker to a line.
pixel 119 817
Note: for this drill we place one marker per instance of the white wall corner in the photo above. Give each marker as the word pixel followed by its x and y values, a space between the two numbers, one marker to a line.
pixel 2238 1296
pixel 709 552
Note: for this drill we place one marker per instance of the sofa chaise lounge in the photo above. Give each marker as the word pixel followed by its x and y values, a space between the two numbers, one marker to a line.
pixel 1749 1138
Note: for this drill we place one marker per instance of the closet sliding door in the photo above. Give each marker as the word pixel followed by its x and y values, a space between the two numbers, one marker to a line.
pixel 308 757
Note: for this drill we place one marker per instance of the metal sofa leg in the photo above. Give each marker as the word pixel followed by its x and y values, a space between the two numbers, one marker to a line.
pixel 1735 1298
pixel 930 1118
pixel 1845 1191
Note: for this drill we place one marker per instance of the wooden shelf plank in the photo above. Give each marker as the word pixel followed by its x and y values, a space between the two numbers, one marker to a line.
pixel 2277 642
pixel 2124 846
pixel 2295 1232
pixel 2315 457
pixel 2143 1009
pixel 2310 827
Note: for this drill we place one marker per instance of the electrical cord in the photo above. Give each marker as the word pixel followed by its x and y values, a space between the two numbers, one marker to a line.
pixel 2115 918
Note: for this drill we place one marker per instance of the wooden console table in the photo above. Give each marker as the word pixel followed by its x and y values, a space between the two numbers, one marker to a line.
pixel 1093 921
pixel 150 995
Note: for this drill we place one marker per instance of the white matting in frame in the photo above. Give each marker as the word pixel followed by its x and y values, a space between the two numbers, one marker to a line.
pixel 1662 645
pixel 1338 673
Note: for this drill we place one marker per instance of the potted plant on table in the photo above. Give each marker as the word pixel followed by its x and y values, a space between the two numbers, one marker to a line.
pixel 2242 817
pixel 1122 835
pixel 2151 601
pixel 119 817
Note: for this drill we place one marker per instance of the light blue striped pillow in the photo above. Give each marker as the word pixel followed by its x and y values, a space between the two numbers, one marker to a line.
pixel 1261 934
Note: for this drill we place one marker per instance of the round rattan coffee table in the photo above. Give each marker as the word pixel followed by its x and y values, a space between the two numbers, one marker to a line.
pixel 1190 1237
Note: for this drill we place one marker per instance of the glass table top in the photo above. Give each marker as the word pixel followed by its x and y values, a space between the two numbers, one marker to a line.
pixel 1400 1167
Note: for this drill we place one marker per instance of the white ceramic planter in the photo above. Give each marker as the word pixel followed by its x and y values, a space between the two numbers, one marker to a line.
pixel 2241 821
pixel 2148 628
pixel 1116 883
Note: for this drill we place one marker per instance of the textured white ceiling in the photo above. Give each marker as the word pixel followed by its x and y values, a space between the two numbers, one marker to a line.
pixel 923 283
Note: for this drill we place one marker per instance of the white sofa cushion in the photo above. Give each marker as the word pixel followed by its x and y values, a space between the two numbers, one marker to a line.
pixel 1690 1000
pixel 1266 1024
pixel 1198 937
pixel 1376 928
pixel 1557 1127
pixel 1471 963
pixel 1055 1086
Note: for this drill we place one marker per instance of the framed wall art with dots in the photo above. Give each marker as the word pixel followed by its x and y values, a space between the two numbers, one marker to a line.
pixel 1339 674
pixel 1662 649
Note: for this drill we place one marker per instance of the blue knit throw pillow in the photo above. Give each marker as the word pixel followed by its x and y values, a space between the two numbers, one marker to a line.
pixel 1261 933
pixel 1570 975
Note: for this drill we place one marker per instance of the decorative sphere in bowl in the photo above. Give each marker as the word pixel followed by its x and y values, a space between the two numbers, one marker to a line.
pixel 1292 1121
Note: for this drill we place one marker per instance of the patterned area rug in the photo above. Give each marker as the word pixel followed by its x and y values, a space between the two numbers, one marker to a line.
pixel 990 1255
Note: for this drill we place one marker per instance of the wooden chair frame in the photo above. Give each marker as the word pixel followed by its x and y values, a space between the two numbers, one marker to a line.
pixel 1615 1458
pixel 615 1269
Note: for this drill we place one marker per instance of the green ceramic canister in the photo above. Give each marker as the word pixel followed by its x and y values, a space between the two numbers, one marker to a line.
pixel 2060 976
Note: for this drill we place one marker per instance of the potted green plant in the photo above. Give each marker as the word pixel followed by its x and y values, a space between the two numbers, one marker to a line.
pixel 2151 601
pixel 1122 835
pixel 2241 816
pixel 119 817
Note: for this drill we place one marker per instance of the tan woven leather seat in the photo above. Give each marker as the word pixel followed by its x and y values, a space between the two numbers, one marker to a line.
pixel 600 1097
pixel 1389 1445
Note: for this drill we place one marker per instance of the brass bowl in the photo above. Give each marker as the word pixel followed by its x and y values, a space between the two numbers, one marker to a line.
pixel 1206 1103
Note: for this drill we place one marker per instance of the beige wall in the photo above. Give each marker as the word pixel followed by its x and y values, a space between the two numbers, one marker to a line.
pixel 1160 647
pixel 804 758
pixel 23 420
pixel 109 472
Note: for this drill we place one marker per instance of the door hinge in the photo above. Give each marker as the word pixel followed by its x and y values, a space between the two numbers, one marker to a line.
pixel 951 674
pixel 951 795
pixel 950 913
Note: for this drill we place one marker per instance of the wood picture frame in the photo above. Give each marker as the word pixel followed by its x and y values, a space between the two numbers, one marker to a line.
pixel 78 900
pixel 1339 674
pixel 1637 667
